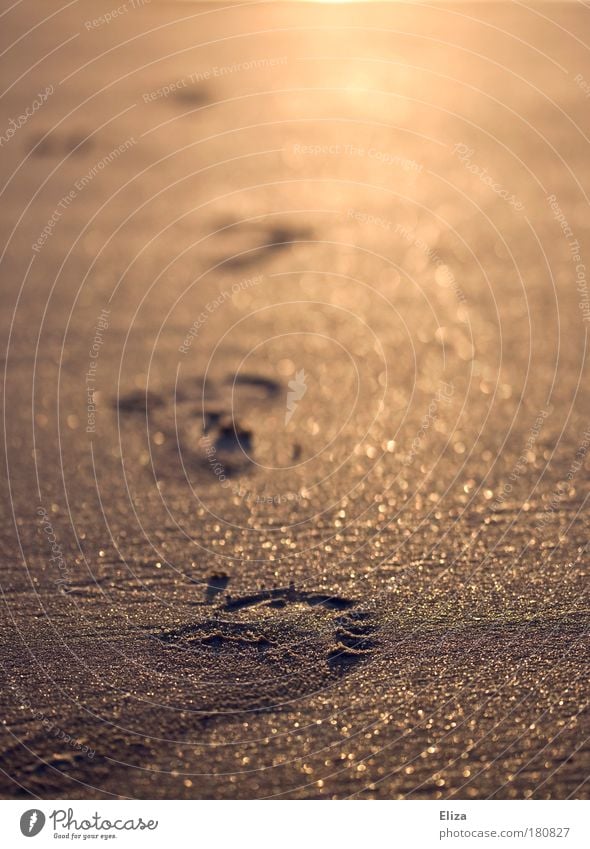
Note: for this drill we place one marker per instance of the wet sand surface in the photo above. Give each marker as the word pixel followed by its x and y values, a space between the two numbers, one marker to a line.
pixel 296 402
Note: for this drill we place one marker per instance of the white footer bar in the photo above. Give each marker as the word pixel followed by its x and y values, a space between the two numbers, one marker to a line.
pixel 296 824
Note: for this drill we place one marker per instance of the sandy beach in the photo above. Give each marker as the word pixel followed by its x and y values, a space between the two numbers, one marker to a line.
pixel 295 400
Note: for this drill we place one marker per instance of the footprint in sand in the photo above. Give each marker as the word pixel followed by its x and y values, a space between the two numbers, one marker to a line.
pixel 253 384
pixel 200 426
pixel 60 145
pixel 258 651
pixel 250 243
pixel 190 96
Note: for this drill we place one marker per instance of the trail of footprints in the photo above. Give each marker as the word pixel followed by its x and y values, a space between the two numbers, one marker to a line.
pixel 262 650
pixel 224 412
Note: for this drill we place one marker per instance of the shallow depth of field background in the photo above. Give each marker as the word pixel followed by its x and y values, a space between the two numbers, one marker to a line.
pixel 295 313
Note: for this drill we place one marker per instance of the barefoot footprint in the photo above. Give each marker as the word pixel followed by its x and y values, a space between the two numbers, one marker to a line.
pixel 60 145
pixel 262 650
pixel 198 421
pixel 254 243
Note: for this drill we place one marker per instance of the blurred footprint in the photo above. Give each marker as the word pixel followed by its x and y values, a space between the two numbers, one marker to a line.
pixel 60 145
pixel 251 244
